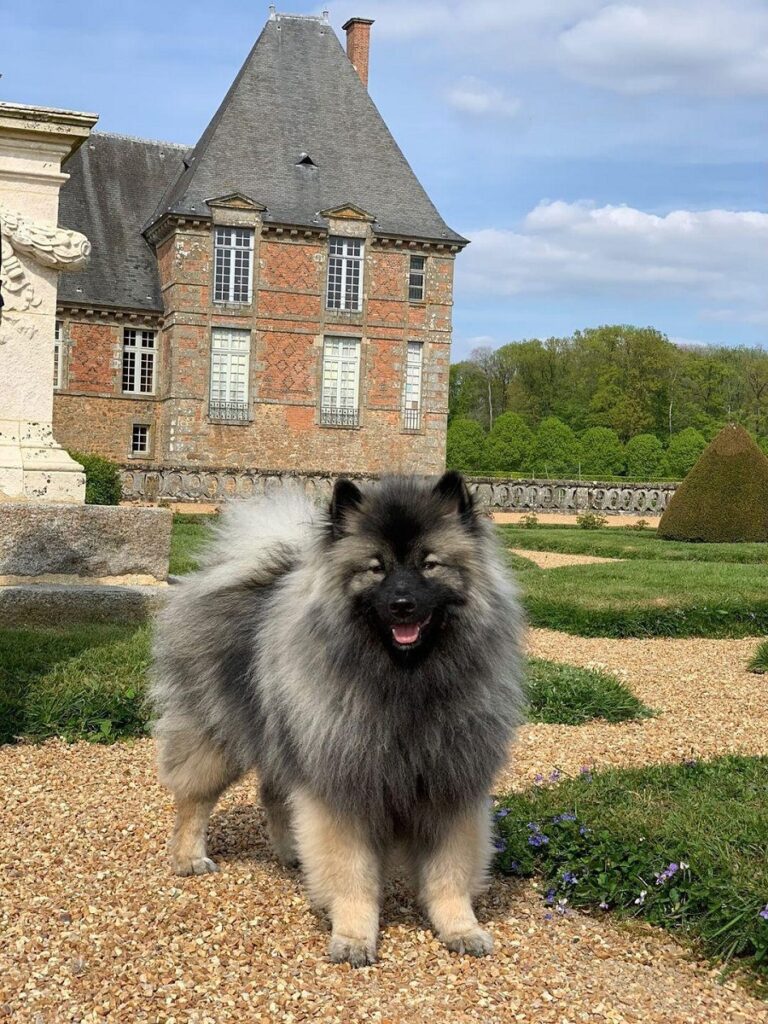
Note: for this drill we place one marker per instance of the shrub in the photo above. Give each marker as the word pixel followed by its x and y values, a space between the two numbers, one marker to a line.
pixel 464 446
pixel 682 453
pixel 640 525
pixel 725 495
pixel 529 521
pixel 591 520
pixel 508 445
pixel 644 455
pixel 102 479
pixel 602 453
pixel 555 450
pixel 758 663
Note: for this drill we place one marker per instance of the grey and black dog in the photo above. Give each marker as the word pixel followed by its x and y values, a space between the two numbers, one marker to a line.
pixel 365 659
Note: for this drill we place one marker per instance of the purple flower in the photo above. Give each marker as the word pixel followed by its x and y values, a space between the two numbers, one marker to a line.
pixel 603 905
pixel 565 816
pixel 561 907
pixel 764 913
pixel 549 899
pixel 585 773
pixel 667 873
pixel 538 778
pixel 569 878
pixel 555 776
pixel 583 830
pixel 499 844
pixel 514 866
pixel 547 917
pixel 690 762
pixel 538 839
pixel 501 813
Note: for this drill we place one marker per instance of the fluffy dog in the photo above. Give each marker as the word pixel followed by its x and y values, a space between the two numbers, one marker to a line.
pixel 365 659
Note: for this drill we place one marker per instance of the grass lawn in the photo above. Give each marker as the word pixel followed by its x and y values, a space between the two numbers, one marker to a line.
pixel 188 535
pixel 619 542
pixel 88 682
pixel 685 847
pixel 646 598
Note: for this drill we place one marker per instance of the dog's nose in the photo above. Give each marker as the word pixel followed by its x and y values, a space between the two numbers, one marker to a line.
pixel 402 606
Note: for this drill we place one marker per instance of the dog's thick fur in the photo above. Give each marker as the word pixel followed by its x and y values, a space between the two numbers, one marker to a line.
pixel 365 660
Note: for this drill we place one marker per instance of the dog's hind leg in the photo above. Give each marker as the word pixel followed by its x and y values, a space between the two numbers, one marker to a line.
pixel 197 772
pixel 451 874
pixel 279 824
pixel 343 876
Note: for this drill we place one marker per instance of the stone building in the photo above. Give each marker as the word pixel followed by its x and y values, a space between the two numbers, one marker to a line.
pixel 277 297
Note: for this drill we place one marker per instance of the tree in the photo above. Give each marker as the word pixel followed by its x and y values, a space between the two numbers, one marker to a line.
pixel 555 450
pixel 644 456
pixel 508 446
pixel 682 453
pixel 602 453
pixel 464 446
pixel 467 395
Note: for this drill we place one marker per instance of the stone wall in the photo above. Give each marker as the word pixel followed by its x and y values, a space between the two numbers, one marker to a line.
pixel 193 483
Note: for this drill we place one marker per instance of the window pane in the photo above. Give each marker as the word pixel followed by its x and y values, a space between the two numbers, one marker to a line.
pixel 140 439
pixel 340 380
pixel 412 386
pixel 345 269
pixel 230 355
pixel 232 264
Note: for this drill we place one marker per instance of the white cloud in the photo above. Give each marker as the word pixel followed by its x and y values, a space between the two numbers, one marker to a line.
pixel 472 95
pixel 700 47
pixel 709 47
pixel 712 257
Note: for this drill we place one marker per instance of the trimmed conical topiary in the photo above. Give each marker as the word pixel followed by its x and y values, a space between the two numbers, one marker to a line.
pixel 725 495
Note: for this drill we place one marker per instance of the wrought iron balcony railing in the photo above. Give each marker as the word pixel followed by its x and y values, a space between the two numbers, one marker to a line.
pixel 339 416
pixel 229 412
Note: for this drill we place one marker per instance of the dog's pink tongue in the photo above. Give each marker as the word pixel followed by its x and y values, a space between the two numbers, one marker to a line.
pixel 406 634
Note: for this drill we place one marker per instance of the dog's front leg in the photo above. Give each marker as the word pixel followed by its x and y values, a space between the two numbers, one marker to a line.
pixel 451 874
pixel 343 876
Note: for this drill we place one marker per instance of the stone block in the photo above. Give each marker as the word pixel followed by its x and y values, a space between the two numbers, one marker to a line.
pixel 42 539
pixel 40 604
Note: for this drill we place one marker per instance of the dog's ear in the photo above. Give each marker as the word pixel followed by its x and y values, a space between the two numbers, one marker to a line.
pixel 452 488
pixel 345 499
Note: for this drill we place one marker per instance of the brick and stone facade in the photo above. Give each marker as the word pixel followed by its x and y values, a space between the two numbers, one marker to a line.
pixel 287 316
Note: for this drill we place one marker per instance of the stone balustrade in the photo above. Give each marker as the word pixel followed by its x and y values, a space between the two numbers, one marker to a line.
pixel 197 484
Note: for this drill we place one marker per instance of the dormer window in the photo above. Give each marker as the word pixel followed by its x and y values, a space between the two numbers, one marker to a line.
pixel 345 273
pixel 233 263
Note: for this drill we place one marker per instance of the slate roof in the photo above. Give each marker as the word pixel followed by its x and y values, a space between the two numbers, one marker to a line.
pixel 297 95
pixel 113 188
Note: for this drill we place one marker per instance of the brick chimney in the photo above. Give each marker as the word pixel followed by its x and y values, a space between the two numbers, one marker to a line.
pixel 358 42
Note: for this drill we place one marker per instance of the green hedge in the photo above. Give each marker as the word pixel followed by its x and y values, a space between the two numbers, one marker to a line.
pixel 102 479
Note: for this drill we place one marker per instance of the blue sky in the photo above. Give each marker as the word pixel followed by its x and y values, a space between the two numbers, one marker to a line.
pixel 607 159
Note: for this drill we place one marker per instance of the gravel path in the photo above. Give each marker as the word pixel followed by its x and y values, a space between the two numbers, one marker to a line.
pixel 95 929
pixel 554 559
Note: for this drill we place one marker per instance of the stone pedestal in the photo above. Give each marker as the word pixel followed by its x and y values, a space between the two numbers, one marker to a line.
pixel 33 143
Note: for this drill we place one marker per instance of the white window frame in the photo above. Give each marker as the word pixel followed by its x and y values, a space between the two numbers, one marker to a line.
pixel 232 251
pixel 417 278
pixel 412 384
pixel 340 383
pixel 139 361
pixel 58 355
pixel 346 267
pixel 229 375
pixel 147 436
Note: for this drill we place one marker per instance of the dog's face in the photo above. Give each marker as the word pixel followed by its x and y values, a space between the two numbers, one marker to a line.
pixel 404 554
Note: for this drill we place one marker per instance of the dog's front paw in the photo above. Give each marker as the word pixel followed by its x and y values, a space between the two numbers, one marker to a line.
pixel 193 866
pixel 474 942
pixel 344 949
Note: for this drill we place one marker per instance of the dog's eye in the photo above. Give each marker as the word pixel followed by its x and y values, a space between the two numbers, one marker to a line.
pixel 375 567
pixel 430 562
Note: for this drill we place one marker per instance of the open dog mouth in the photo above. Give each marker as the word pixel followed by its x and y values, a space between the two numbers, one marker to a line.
pixel 407 634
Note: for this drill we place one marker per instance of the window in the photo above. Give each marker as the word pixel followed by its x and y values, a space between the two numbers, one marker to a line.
pixel 233 260
pixel 416 275
pixel 230 352
pixel 140 439
pixel 341 377
pixel 138 361
pixel 412 387
pixel 57 355
pixel 345 272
